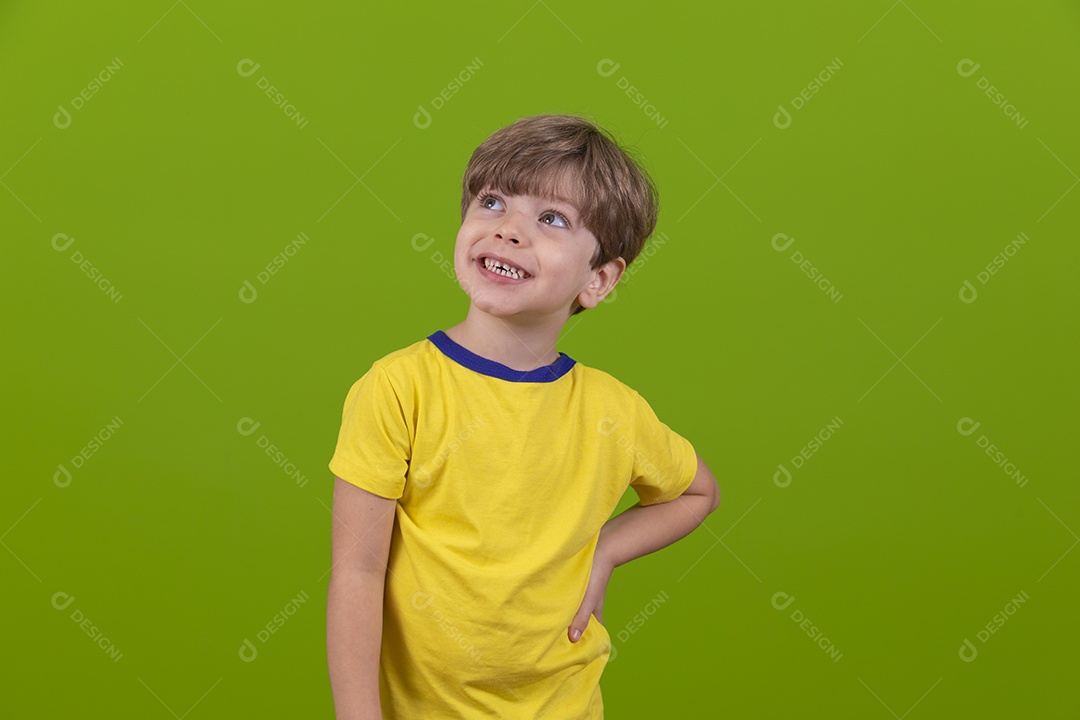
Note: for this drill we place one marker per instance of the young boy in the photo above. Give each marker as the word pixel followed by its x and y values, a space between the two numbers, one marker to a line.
pixel 476 470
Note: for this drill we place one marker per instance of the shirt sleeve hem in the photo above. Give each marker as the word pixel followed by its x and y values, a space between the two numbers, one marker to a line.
pixel 382 489
pixel 688 473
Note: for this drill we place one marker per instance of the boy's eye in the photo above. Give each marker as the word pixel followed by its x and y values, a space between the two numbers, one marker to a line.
pixel 555 219
pixel 490 202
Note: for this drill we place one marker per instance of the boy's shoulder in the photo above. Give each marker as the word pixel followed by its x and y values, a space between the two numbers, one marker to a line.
pixel 605 388
pixel 603 378
pixel 407 356
pixel 398 366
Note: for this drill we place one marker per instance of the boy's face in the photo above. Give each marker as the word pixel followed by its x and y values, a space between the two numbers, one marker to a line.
pixel 544 238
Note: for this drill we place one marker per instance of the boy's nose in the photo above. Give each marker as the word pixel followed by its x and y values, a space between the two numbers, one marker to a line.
pixel 510 228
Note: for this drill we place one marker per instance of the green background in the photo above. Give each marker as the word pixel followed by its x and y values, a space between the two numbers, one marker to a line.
pixel 179 180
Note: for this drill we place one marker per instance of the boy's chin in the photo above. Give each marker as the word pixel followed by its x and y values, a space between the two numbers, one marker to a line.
pixel 504 312
pixel 514 312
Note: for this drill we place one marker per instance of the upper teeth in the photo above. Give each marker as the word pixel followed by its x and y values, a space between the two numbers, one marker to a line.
pixel 504 269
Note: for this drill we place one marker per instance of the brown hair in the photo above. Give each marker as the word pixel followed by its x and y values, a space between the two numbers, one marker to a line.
pixel 616 199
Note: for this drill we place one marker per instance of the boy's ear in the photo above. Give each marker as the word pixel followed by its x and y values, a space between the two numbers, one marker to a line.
pixel 603 280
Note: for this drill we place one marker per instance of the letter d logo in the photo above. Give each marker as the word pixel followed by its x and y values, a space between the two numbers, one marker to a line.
pixel 782 477
pixel 65 239
pixel 421 478
pixel 247 68
pixel 246 426
pixel 61 600
pixel 781 600
pixel 248 651
pixel 968 651
pixel 424 238
pixel 966 426
pixel 785 239
pixel 607 67
pixel 422 118
pixel 968 293
pixel 248 293
pixel 967 68
pixel 782 118
pixel 62 118
pixel 62 477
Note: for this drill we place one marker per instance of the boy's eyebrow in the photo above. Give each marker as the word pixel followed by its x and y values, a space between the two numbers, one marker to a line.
pixel 566 201
pixel 560 199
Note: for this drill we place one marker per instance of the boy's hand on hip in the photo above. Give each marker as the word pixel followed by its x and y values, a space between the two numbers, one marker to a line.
pixel 593 602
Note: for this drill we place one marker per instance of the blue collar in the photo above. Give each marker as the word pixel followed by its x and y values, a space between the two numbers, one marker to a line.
pixel 482 365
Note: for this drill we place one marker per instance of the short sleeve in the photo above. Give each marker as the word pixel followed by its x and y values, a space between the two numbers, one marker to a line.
pixel 665 462
pixel 373 445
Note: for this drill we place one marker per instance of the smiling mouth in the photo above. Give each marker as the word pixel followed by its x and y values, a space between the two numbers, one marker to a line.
pixel 505 269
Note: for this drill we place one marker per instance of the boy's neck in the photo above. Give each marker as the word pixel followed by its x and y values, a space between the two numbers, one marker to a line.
pixel 518 346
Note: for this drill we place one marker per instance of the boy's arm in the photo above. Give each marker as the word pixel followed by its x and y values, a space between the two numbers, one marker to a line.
pixel 360 547
pixel 640 530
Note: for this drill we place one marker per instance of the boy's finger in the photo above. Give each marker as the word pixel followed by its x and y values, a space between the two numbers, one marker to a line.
pixel 577 626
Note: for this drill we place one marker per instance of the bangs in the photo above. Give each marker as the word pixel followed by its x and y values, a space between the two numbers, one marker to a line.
pixel 555 177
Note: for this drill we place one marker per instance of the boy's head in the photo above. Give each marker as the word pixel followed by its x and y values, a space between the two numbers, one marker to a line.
pixel 570 160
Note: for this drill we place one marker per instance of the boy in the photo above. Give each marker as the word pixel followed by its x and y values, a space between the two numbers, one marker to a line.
pixel 476 469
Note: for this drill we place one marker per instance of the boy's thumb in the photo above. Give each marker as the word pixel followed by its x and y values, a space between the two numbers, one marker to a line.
pixel 578 625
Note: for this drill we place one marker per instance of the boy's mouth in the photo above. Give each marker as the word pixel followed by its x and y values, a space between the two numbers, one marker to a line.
pixel 502 268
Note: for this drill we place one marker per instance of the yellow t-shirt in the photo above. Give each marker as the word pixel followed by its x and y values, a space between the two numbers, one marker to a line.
pixel 503 480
